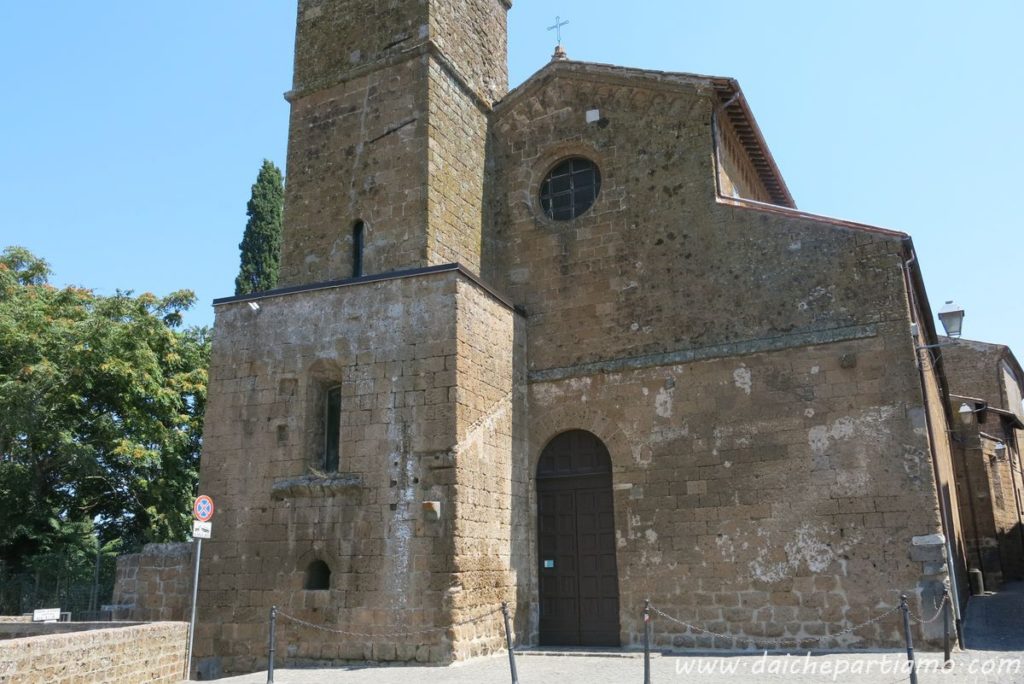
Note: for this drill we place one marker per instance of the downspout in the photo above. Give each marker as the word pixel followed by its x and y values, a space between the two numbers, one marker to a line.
pixel 908 269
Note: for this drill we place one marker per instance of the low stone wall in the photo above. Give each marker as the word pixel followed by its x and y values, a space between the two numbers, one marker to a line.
pixel 27 628
pixel 115 655
pixel 154 585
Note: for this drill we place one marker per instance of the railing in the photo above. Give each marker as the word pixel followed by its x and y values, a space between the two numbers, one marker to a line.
pixel 650 614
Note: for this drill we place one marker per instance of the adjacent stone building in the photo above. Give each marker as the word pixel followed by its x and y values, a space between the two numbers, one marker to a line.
pixel 988 386
pixel 568 347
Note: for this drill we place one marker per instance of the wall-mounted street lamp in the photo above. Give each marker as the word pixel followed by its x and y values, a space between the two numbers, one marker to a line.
pixel 966 413
pixel 952 318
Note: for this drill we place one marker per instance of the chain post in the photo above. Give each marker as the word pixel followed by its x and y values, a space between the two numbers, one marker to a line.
pixel 270 645
pixel 647 641
pixel 910 639
pixel 945 625
pixel 508 641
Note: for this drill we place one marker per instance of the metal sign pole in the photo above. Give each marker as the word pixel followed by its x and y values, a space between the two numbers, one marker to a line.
pixel 192 622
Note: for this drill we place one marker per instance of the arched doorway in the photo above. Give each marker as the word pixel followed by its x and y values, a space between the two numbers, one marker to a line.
pixel 579 583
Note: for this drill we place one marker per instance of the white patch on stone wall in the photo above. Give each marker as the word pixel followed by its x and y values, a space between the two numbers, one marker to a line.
pixel 652 536
pixel 519 275
pixel 641 453
pixel 726 548
pixel 809 412
pixel 742 379
pixel 663 403
pixel 727 464
pixel 402 527
pixel 558 391
pixel 863 436
pixel 812 545
pixel 795 245
pixel 645 391
pixel 815 370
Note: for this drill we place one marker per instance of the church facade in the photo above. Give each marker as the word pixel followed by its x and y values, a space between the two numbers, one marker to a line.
pixel 568 347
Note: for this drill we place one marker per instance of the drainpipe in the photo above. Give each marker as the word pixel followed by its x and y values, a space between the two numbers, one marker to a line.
pixel 944 514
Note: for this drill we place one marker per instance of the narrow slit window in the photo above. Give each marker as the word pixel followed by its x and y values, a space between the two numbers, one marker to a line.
pixel 358 236
pixel 332 429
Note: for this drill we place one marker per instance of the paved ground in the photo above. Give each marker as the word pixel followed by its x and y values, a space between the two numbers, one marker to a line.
pixel 994 635
pixel 996 622
pixel 970 667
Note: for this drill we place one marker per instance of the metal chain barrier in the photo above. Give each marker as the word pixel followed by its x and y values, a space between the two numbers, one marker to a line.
pixel 389 635
pixel 933 618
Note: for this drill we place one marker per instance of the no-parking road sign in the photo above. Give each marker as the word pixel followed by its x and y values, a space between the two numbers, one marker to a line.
pixel 203 508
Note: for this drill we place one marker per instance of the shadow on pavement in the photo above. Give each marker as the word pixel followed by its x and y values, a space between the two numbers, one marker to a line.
pixel 995 622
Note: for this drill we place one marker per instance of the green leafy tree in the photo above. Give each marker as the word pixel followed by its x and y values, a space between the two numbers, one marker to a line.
pixel 101 409
pixel 261 243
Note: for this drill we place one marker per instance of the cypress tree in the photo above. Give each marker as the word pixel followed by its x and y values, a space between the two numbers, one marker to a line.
pixel 261 244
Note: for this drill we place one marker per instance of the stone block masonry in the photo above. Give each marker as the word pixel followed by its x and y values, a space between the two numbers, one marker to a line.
pixel 774 442
pixel 155 585
pixel 117 655
pixel 424 366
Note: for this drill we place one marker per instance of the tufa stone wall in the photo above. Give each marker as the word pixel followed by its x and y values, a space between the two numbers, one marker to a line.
pixel 752 373
pixel 388 126
pixel 973 369
pixel 418 400
pixel 337 37
pixel 357 151
pixel 990 484
pixel 155 585
pixel 457 145
pixel 750 494
pixel 490 469
pixel 658 265
pixel 119 655
pixel 473 37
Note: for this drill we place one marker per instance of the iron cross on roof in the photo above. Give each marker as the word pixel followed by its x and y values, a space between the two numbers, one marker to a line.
pixel 557 28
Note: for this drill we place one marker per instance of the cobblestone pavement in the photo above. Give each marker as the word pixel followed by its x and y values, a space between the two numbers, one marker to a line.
pixel 970 667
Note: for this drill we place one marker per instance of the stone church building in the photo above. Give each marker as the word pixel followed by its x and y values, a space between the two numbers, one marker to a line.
pixel 569 346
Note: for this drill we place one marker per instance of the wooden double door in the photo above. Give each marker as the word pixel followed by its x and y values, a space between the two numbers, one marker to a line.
pixel 579 584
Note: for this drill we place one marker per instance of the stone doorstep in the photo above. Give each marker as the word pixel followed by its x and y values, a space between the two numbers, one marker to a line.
pixel 584 652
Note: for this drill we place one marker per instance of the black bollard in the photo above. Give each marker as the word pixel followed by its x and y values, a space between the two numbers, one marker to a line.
pixel 508 641
pixel 270 649
pixel 647 641
pixel 910 640
pixel 945 624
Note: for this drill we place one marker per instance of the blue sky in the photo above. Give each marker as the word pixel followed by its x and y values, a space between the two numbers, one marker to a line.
pixel 131 132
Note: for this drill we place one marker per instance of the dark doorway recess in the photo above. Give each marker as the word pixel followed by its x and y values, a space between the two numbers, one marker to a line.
pixel 579 583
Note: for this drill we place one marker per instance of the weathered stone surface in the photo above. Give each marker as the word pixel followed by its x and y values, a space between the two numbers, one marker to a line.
pixel 775 446
pixel 155 585
pixel 118 655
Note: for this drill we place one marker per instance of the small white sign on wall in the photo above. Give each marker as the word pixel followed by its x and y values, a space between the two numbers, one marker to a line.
pixel 46 615
pixel 201 530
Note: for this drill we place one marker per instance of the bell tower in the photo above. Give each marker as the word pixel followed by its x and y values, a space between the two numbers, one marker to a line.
pixel 390 104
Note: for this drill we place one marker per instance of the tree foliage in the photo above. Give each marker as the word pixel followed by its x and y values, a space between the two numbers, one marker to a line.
pixel 101 408
pixel 261 243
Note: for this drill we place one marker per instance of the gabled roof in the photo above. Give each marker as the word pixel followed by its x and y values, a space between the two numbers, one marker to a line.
pixel 725 92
